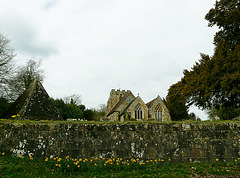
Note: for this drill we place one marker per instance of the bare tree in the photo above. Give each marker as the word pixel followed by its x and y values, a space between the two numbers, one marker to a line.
pixel 73 99
pixel 6 65
pixel 102 108
pixel 24 76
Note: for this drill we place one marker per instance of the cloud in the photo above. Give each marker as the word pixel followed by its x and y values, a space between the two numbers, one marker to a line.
pixel 25 35
pixel 92 46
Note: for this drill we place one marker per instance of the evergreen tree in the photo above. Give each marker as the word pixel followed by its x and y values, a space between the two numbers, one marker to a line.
pixel 214 82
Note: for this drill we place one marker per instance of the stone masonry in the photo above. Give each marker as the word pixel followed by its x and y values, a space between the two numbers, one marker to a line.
pixel 180 142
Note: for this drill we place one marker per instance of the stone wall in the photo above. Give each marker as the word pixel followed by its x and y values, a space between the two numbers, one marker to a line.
pixel 180 142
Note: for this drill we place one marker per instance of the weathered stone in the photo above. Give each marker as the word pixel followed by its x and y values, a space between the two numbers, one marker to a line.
pixel 34 104
pixel 180 142
pixel 124 106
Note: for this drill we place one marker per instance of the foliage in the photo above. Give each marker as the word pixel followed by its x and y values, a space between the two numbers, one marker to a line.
pixel 71 107
pixel 176 104
pixel 3 106
pixel 6 64
pixel 215 81
pixel 24 76
pixel 69 110
pixel 89 114
pixel 226 16
pixel 28 166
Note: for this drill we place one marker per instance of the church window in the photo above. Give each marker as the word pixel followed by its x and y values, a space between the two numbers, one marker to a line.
pixel 158 113
pixel 138 112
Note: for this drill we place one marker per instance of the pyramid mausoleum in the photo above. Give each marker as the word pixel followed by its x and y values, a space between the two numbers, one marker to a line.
pixel 34 104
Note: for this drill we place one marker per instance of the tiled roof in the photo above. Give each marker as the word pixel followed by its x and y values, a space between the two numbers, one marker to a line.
pixel 149 104
pixel 124 111
pixel 119 103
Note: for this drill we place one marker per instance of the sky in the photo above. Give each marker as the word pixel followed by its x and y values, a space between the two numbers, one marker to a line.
pixel 89 47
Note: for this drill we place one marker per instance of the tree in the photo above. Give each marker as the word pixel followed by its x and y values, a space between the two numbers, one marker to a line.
pixel 6 65
pixel 214 82
pixel 102 108
pixel 176 103
pixel 74 99
pixel 3 106
pixel 226 16
pixel 70 107
pixel 23 77
pixel 89 114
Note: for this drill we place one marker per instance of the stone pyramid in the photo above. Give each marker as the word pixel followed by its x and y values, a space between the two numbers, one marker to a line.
pixel 34 104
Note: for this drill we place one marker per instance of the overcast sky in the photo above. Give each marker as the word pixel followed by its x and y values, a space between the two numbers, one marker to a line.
pixel 89 47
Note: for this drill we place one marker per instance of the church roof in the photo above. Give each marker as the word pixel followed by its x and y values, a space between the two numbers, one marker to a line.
pixel 119 103
pixel 126 108
pixel 34 104
pixel 149 104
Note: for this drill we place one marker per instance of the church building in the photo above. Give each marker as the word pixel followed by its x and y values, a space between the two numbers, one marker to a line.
pixel 123 105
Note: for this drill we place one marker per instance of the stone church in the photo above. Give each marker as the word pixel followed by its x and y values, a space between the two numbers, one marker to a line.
pixel 123 105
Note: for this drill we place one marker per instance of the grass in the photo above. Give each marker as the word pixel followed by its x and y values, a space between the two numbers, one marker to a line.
pixel 113 122
pixel 25 166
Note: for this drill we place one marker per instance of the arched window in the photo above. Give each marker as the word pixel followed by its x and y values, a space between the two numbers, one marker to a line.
pixel 158 112
pixel 138 112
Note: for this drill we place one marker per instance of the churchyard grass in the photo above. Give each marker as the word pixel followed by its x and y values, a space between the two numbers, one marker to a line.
pixel 27 166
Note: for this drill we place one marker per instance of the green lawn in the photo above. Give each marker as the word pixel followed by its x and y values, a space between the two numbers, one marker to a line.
pixel 66 167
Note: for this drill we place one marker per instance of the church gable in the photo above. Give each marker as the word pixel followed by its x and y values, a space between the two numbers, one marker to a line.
pixel 158 110
pixel 138 109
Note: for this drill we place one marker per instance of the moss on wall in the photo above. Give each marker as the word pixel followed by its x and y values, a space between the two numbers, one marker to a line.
pixel 178 141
